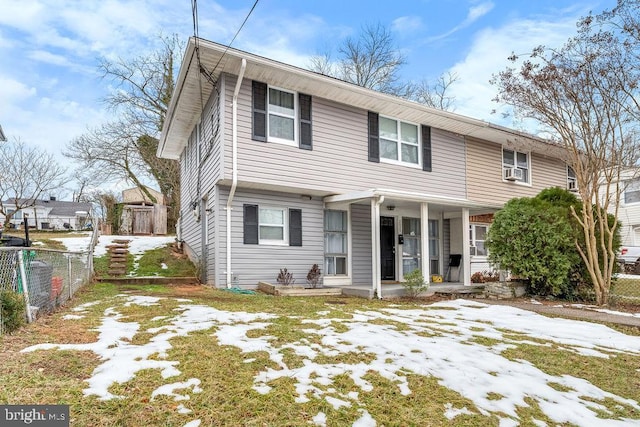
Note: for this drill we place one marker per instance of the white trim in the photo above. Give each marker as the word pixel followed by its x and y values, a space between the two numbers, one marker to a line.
pixel 275 139
pixel 425 259
pixel 399 143
pixel 284 226
pixel 466 258
pixel 529 182
pixel 408 196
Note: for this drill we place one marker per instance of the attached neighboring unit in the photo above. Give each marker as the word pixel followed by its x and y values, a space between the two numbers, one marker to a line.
pixel 285 168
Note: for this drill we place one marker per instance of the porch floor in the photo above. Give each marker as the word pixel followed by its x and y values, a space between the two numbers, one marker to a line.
pixel 396 290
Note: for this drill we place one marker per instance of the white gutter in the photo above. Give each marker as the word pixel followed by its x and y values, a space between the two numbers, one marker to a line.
pixel 234 164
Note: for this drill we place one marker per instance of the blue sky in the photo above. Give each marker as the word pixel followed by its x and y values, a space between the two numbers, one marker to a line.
pixel 51 92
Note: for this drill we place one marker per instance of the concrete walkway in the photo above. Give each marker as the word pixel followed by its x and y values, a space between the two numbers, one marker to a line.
pixel 577 313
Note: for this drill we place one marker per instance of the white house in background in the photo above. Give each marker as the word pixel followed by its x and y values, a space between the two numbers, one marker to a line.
pixel 284 167
pixel 629 209
pixel 50 214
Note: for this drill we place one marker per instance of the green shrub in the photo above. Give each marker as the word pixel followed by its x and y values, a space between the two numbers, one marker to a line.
pixel 12 310
pixel 534 239
pixel 414 284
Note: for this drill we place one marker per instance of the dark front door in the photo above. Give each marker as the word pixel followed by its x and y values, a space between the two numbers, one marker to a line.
pixel 387 248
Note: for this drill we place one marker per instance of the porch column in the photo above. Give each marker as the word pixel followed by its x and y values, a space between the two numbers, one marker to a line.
pixel 424 241
pixel 375 245
pixel 466 254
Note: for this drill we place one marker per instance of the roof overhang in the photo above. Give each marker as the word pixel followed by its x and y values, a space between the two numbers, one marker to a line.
pixel 408 196
pixel 193 89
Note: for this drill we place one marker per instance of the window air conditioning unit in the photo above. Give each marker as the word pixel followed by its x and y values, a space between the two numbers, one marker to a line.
pixel 513 174
pixel 473 251
pixel 572 186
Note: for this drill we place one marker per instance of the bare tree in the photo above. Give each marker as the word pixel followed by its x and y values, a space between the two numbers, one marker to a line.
pixel 373 61
pixel 436 94
pixel 126 147
pixel 585 95
pixel 26 175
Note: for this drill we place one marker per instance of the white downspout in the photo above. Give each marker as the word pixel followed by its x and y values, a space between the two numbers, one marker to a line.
pixel 234 164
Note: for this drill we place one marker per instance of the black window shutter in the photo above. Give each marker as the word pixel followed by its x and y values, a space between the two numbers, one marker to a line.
pixel 426 148
pixel 295 227
pixel 250 224
pixel 374 138
pixel 259 100
pixel 304 101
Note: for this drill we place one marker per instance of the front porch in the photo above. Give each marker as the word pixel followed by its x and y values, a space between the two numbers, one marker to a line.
pixel 391 233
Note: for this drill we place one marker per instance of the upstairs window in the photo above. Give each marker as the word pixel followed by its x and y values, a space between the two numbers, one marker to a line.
pixel 282 115
pixel 632 192
pixel 572 182
pixel 515 166
pixel 399 141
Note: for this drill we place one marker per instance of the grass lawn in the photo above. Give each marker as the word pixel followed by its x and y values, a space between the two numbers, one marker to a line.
pixel 192 354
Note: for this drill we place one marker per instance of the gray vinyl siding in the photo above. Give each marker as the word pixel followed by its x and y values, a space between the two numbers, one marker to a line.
pixel 212 216
pixel 339 162
pixel 254 263
pixel 361 244
pixel 212 140
pixel 446 244
pixel 484 174
pixel 190 227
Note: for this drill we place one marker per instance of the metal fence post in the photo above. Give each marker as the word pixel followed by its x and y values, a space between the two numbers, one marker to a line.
pixel 70 278
pixel 25 285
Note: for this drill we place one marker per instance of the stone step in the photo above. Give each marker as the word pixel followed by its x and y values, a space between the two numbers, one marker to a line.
pixel 117 265
pixel 118 272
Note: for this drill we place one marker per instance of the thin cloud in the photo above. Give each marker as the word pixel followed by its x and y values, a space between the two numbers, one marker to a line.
pixel 475 13
pixel 406 24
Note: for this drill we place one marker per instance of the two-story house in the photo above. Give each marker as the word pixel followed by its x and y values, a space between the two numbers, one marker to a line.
pixel 284 167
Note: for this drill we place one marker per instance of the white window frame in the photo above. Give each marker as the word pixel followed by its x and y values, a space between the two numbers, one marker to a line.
pixel 284 226
pixel 399 143
pixel 627 184
pixel 570 178
pixel 526 172
pixel 344 255
pixel 472 237
pixel 270 138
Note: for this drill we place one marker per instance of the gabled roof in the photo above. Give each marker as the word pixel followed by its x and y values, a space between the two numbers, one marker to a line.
pixel 58 207
pixel 186 102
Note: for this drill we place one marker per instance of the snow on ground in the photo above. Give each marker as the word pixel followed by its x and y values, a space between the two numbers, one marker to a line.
pixel 442 340
pixel 137 245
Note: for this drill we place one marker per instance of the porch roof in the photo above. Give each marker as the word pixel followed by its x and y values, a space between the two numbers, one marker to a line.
pixel 410 196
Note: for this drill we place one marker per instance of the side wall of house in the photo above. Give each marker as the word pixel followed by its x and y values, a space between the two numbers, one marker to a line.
pixel 339 162
pixel 484 174
pixel 629 216
pixel 252 263
pixel 201 163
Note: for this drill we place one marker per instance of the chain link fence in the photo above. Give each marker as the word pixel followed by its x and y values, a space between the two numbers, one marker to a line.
pixel 43 278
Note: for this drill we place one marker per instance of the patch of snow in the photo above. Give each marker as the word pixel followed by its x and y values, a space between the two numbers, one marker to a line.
pixel 169 389
pixel 617 313
pixel 320 419
pixel 141 300
pixel 337 403
pixel 539 423
pixel 534 301
pixel 72 317
pixel 183 410
pixel 155 319
pixel 164 266
pixel 83 307
pixel 450 412
pixel 194 423
pixel 366 420
pixel 323 313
